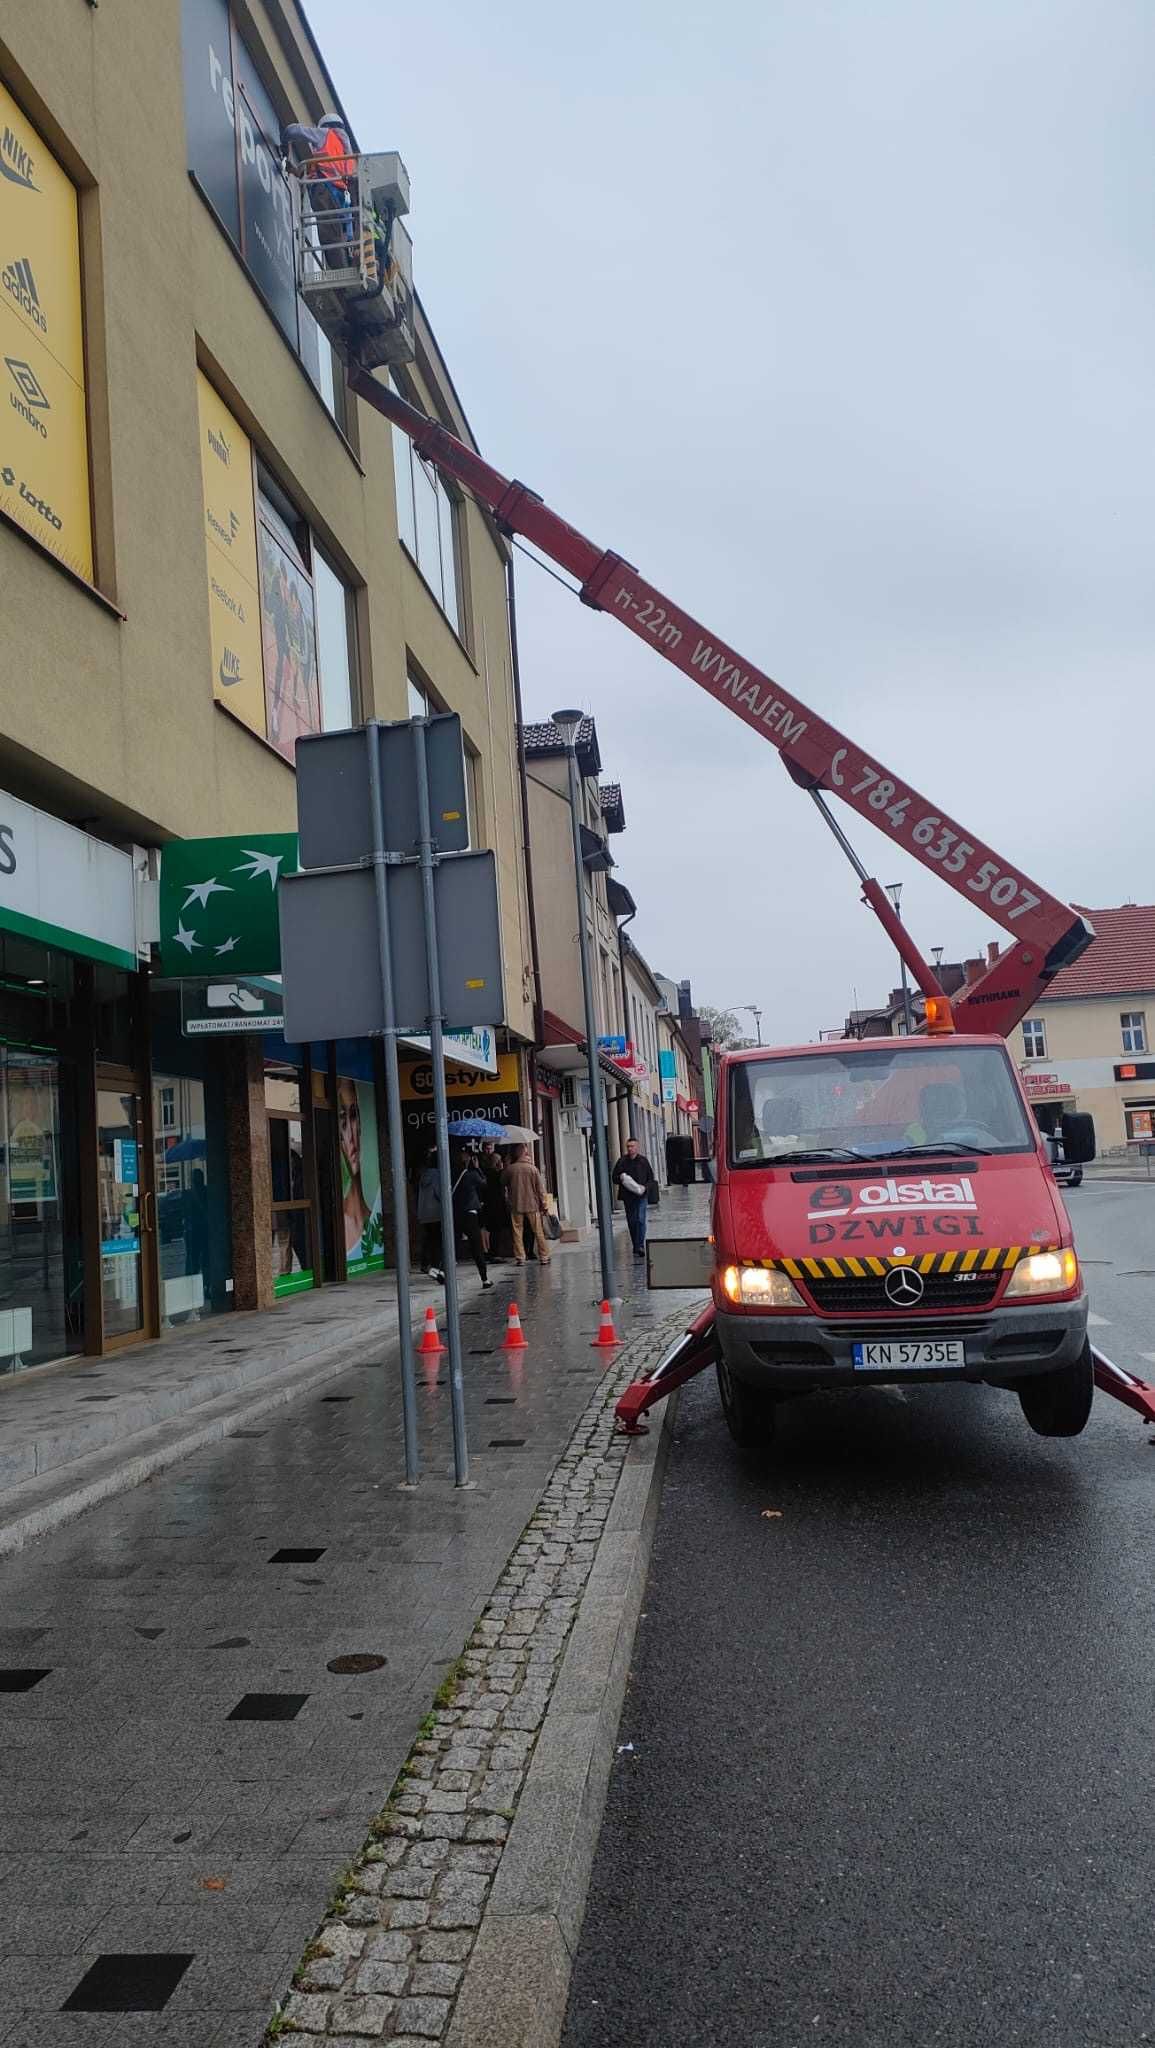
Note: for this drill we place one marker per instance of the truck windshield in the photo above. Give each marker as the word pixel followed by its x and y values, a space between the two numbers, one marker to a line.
pixel 875 1104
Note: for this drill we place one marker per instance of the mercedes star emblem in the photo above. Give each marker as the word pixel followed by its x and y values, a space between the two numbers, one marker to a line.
pixel 903 1287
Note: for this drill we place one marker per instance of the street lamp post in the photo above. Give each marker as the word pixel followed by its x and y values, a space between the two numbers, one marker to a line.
pixel 751 1010
pixel 894 891
pixel 567 723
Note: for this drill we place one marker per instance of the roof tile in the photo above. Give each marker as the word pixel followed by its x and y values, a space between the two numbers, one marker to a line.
pixel 1121 961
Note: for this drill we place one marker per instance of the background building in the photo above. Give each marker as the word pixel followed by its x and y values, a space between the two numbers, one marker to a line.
pixel 1088 1043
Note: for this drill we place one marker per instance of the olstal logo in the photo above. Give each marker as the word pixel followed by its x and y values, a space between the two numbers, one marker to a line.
pixel 20 284
pixel 29 396
pixel 890 1195
pixel 15 163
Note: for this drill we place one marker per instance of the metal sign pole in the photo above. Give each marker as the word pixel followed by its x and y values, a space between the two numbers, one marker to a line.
pixel 393 1101
pixel 440 1108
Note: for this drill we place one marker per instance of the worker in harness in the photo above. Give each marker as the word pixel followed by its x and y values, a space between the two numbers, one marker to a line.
pixel 324 158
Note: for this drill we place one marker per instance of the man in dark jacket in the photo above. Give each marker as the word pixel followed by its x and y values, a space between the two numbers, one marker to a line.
pixel 633 1176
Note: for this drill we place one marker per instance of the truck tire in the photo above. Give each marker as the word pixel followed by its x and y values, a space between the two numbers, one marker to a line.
pixel 1059 1403
pixel 749 1414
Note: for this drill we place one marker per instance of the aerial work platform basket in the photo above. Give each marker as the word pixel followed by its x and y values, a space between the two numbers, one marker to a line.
pixel 354 254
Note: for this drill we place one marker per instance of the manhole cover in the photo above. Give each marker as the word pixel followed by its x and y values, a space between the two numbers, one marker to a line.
pixel 355 1662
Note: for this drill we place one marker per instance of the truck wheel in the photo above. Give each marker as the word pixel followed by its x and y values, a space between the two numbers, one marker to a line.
pixel 1059 1403
pixel 1076 1180
pixel 749 1414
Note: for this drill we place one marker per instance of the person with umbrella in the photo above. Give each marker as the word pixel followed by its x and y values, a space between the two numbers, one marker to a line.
pixel 468 1198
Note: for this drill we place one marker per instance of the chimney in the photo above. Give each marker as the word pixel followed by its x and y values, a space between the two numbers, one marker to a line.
pixel 992 952
pixel 973 970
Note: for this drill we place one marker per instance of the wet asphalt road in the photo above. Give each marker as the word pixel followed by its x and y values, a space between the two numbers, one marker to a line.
pixel 893 1771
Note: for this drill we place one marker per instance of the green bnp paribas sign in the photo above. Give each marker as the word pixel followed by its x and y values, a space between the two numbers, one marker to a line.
pixel 218 904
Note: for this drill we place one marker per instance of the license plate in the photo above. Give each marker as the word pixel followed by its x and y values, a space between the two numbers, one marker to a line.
pixel 907 1357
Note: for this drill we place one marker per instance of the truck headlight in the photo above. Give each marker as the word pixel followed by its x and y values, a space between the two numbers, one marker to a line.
pixel 1043 1273
pixel 760 1287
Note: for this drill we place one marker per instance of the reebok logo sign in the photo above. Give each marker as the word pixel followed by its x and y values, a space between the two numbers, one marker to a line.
pixel 19 282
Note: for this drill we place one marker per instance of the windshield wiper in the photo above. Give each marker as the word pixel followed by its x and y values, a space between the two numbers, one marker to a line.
pixel 950 1147
pixel 809 1154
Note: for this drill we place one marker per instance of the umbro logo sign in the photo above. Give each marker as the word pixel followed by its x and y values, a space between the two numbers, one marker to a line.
pixel 29 397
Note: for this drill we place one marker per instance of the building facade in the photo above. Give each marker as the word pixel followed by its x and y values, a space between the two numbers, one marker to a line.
pixel 208 548
pixel 1088 1044
pixel 564 1107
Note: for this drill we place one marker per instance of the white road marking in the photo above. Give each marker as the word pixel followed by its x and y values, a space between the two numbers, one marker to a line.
pixel 1099 1322
pixel 1148 1357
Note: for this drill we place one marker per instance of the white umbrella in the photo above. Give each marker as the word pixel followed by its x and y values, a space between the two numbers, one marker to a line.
pixel 517 1134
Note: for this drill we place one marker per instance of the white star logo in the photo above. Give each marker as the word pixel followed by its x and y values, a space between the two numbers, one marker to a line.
pixel 259 864
pixel 199 892
pixel 228 946
pixel 186 939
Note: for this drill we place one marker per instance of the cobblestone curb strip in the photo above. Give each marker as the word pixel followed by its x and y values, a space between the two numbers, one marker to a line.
pixel 458 1922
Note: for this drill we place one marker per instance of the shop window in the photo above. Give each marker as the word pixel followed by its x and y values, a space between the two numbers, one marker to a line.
pixel 292 1234
pixel 1133 1028
pixel 427 521
pixel 1140 1122
pixel 41 1315
pixel 183 1200
pixel 1034 1038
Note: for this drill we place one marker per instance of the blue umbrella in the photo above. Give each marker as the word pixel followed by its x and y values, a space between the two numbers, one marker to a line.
pixel 188 1148
pixel 475 1127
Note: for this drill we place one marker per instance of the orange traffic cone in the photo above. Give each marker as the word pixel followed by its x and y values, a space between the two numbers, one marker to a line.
pixel 607 1336
pixel 430 1335
pixel 514 1334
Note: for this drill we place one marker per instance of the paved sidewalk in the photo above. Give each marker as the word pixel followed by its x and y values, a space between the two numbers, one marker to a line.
pixel 182 1771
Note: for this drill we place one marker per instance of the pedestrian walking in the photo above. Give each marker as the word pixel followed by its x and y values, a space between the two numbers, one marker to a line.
pixel 429 1245
pixel 468 1201
pixel 495 1208
pixel 633 1177
pixel 526 1192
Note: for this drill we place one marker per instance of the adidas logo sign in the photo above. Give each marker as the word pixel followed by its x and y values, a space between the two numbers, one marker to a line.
pixel 20 284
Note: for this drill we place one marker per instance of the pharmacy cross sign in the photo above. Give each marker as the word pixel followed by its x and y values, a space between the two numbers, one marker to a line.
pixel 218 904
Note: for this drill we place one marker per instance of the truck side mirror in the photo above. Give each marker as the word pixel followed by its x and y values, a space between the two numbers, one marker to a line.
pixel 1078 1138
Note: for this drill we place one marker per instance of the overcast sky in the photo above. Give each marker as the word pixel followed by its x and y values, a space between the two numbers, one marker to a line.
pixel 836 318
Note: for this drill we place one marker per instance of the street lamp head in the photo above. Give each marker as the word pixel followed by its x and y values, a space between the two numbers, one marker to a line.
pixel 894 891
pixel 567 723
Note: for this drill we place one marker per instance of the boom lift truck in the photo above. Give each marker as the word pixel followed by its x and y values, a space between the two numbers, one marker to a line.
pixel 356 276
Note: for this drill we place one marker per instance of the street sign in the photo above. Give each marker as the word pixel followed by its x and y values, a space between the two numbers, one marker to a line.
pixel 330 961
pixel 211 1008
pixel 333 804
pixel 218 903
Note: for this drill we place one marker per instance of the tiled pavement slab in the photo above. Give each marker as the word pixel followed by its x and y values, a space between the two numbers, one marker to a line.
pixel 135 1815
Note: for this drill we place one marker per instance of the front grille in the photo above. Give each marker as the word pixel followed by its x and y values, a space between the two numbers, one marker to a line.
pixel 868 1296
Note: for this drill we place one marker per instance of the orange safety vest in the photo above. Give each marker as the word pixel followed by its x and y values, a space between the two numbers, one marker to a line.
pixel 332 162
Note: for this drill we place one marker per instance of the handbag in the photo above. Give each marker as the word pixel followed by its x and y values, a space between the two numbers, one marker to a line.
pixel 653 1194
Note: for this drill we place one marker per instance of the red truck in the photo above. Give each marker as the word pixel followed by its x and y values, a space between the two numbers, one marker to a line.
pixel 884 1211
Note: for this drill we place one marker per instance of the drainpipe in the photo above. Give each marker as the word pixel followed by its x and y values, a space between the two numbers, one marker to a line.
pixel 631 1113
pixel 534 953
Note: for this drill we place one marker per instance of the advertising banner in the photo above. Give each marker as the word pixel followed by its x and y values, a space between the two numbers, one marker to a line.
pixel 231 557
pixel 44 419
pixel 360 1177
pixel 289 636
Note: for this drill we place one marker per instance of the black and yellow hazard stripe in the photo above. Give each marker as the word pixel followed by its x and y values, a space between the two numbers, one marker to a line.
pixel 865 1265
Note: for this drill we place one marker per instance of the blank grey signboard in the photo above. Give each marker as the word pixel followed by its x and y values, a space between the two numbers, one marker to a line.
pixel 334 828
pixel 330 965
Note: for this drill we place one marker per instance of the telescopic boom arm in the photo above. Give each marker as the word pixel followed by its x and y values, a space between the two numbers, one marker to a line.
pixel 1046 934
